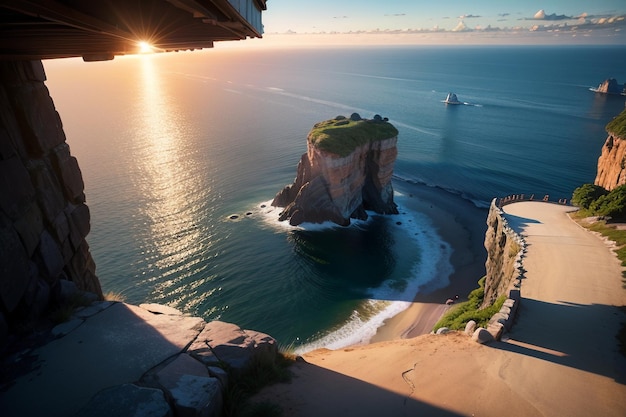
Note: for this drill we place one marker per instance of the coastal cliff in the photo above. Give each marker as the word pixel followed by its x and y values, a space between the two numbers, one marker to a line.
pixel 346 170
pixel 612 162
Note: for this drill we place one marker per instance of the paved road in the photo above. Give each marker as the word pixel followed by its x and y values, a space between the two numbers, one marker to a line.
pixel 569 316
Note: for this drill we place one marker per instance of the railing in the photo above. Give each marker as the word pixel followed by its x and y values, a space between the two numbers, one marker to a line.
pixel 515 198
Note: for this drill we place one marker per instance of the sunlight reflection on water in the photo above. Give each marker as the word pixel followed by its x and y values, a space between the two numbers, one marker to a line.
pixel 174 243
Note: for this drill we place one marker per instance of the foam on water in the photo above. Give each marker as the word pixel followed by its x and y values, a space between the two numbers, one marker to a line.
pixel 388 300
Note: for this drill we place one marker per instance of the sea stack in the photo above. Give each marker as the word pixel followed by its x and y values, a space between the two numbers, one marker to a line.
pixel 610 86
pixel 346 170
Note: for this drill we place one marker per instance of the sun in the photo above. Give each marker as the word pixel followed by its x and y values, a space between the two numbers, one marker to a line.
pixel 145 47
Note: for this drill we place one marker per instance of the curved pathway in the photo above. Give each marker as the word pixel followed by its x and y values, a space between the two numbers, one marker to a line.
pixel 568 316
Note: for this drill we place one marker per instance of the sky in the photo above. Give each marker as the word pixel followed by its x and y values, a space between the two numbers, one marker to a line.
pixel 564 18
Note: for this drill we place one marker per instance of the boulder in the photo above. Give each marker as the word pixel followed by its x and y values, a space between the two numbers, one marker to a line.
pixel 442 330
pixel 127 400
pixel 470 327
pixel 227 343
pixel 193 391
pixel 496 330
pixel 481 335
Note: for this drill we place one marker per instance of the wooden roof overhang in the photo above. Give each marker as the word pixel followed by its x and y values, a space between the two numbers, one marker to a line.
pixel 101 29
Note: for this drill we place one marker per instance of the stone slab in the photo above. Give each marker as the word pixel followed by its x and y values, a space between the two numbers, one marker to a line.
pixel 192 390
pixel 127 400
pixel 114 347
pixel 229 344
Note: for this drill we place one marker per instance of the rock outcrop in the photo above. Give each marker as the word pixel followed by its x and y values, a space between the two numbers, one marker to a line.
pixel 346 170
pixel 611 171
pixel 119 359
pixel 43 216
pixel 610 86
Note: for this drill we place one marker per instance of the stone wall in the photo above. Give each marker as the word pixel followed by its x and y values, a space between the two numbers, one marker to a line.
pixel 505 271
pixel 43 216
pixel 505 250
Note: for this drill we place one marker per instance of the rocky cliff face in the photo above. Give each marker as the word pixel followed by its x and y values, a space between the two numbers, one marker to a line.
pixel 612 163
pixel 43 216
pixel 335 185
pixel 504 253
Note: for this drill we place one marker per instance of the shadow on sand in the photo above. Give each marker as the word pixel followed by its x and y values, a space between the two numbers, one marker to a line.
pixel 336 394
pixel 573 335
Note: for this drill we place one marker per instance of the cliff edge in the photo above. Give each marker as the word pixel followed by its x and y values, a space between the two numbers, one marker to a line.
pixel 346 170
pixel 612 162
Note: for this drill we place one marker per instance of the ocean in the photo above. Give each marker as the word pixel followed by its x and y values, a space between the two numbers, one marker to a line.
pixel 182 152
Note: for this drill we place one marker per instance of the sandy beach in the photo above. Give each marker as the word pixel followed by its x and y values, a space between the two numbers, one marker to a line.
pixel 560 359
pixel 462 225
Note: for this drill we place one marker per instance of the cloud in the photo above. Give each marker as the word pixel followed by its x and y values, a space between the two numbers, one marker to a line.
pixel 340 17
pixel 541 15
pixel 503 14
pixel 396 14
pixel 460 27
pixel 469 16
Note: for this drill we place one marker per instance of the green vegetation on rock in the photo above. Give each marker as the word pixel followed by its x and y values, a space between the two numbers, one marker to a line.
pixel 617 126
pixel 458 316
pixel 342 135
pixel 596 201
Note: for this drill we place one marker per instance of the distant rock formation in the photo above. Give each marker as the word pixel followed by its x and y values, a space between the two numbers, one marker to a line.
pixel 346 170
pixel 610 86
pixel 611 171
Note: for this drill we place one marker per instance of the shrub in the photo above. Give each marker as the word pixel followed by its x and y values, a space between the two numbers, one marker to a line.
pixel 457 317
pixel 617 126
pixel 586 194
pixel 612 204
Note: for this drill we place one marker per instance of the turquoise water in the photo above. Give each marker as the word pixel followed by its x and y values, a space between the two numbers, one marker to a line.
pixel 172 145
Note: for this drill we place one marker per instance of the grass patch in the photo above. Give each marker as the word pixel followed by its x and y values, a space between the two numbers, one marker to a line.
pixel 617 126
pixel 262 372
pixel 114 296
pixel 341 136
pixel 611 232
pixel 458 316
